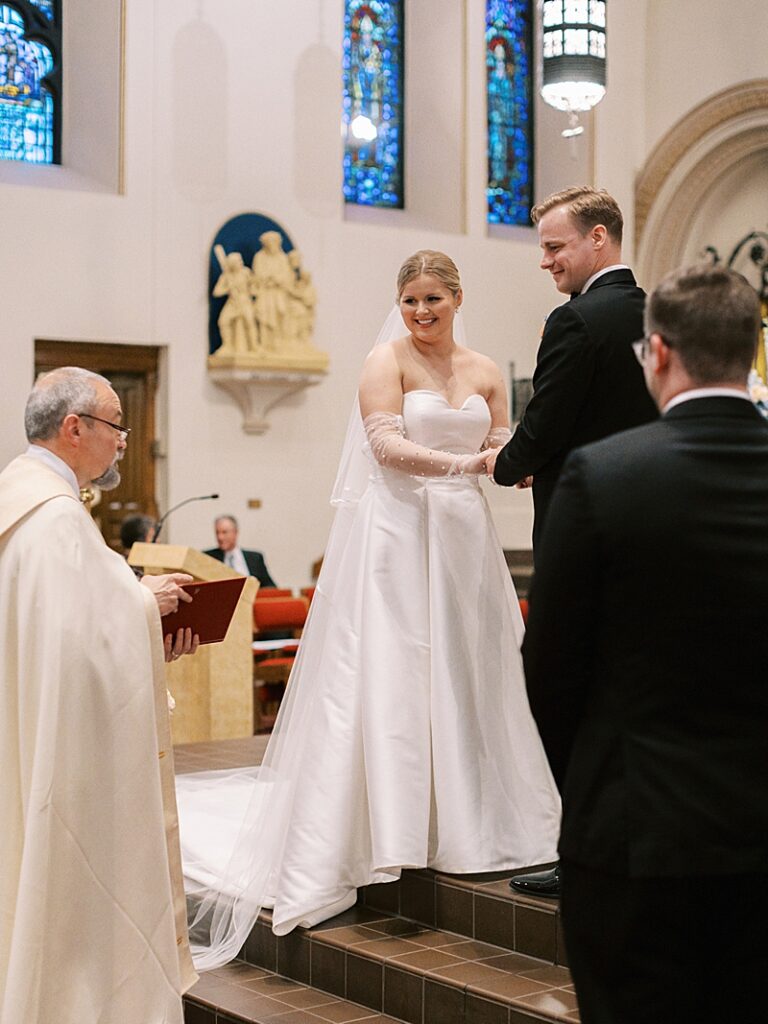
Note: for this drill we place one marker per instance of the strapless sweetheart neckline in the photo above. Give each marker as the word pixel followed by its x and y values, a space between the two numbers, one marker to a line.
pixel 437 394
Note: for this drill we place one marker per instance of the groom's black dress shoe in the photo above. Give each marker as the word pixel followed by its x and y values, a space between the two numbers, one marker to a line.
pixel 541 883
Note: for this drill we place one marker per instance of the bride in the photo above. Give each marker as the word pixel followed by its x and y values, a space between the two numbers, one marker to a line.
pixel 404 739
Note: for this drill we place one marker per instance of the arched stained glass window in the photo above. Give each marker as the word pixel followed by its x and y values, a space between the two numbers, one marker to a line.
pixel 509 68
pixel 30 81
pixel 373 102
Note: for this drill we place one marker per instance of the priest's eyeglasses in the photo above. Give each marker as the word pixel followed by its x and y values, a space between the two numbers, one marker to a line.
pixel 122 431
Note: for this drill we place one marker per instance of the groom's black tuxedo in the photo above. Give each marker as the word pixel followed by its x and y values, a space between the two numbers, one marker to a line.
pixel 645 658
pixel 587 385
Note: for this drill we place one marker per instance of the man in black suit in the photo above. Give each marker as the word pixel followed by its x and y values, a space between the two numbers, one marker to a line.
pixel 249 563
pixel 645 659
pixel 587 383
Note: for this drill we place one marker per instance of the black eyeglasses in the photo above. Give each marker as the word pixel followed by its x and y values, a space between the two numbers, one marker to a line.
pixel 641 346
pixel 122 431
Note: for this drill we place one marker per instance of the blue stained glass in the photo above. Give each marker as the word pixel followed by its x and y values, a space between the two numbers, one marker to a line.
pixel 372 113
pixel 26 105
pixel 45 7
pixel 509 68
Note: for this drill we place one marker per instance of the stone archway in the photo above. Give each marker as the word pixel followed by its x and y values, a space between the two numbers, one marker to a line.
pixel 698 152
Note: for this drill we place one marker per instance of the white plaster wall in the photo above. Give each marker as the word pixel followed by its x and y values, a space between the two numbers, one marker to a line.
pixel 233 106
pixel 735 206
pixel 696 49
pixel 620 117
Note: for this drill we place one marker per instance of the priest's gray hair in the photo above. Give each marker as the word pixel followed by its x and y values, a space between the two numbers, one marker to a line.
pixel 55 395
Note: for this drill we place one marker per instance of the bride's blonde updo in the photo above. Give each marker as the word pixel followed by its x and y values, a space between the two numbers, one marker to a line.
pixel 429 261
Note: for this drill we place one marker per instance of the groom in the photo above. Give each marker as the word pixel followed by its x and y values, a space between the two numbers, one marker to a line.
pixel 587 382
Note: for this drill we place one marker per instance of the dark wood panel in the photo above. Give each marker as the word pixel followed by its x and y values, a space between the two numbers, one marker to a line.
pixel 132 370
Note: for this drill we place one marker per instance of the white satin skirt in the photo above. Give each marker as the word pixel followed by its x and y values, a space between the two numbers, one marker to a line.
pixel 405 739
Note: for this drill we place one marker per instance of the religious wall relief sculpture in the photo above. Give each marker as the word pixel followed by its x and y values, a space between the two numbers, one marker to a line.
pixel 262 317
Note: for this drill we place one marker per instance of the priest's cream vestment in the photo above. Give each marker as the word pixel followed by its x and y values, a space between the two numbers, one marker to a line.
pixel 92 917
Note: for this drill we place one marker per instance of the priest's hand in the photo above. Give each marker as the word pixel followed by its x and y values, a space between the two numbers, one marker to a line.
pixel 167 590
pixel 183 643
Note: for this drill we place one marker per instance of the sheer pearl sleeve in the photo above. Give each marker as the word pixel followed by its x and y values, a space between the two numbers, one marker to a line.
pixel 386 436
pixel 497 438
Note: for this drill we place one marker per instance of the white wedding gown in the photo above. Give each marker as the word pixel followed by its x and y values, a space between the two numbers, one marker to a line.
pixel 405 739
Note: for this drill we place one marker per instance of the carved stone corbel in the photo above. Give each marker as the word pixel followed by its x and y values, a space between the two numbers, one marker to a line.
pixel 257 390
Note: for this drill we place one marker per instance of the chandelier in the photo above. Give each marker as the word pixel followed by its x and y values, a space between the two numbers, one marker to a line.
pixel 573 56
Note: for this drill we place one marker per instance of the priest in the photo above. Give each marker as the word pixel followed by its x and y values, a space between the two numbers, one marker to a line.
pixel 92 915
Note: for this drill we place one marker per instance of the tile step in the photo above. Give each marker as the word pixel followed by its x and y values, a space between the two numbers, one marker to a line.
pixel 481 907
pixel 411 972
pixel 241 993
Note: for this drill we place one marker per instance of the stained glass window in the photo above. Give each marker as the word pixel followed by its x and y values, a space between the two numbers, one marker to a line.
pixel 509 68
pixel 373 102
pixel 29 81
pixel 46 7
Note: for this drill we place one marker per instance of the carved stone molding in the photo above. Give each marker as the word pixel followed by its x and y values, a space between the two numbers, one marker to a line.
pixel 700 121
pixel 697 152
pixel 258 391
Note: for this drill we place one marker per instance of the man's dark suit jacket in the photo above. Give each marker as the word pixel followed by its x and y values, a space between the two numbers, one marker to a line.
pixel 253 559
pixel 587 385
pixel 646 652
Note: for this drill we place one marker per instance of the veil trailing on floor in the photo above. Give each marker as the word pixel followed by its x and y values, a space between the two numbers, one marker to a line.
pixel 227 900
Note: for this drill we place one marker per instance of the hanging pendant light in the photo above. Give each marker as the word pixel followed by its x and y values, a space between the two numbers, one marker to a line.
pixel 573 56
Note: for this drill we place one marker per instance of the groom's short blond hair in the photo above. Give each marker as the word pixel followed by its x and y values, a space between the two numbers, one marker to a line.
pixel 588 206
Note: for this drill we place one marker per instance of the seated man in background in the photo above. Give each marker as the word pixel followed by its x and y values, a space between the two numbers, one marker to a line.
pixel 249 563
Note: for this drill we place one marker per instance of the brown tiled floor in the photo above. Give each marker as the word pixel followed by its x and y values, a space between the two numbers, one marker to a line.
pixel 354 954
pixel 472 992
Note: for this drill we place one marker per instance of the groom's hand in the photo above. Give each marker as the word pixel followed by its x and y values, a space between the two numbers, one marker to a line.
pixel 490 461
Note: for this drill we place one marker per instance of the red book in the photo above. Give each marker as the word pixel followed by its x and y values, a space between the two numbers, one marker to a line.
pixel 210 612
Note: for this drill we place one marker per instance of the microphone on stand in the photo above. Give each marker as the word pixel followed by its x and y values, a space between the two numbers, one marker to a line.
pixel 161 520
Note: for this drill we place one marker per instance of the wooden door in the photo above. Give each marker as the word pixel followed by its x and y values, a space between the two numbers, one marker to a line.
pixel 132 371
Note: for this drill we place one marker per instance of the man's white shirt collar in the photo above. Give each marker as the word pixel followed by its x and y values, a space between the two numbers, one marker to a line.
pixel 605 270
pixel 686 396
pixel 56 464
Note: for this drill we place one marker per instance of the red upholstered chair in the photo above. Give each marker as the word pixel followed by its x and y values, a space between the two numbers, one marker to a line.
pixel 308 592
pixel 272 667
pixel 272 592
pixel 524 609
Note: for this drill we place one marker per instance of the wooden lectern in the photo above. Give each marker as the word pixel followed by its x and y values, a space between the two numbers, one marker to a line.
pixel 213 688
